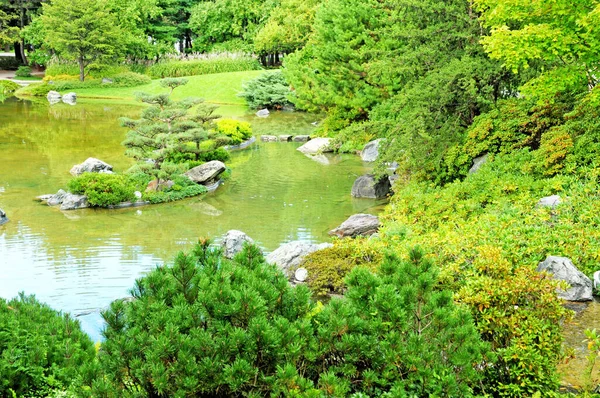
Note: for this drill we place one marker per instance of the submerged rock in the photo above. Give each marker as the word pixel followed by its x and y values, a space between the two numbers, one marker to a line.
pixel 289 256
pixel 563 269
pixel 233 242
pixel 357 225
pixel 206 173
pixel 371 151
pixel 263 113
pixel 74 202
pixel 368 187
pixel 91 165
pixel 268 138
pixel 316 146
pixel 301 138
pixel 3 217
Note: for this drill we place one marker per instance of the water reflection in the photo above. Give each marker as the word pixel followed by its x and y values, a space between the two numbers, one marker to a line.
pixel 81 260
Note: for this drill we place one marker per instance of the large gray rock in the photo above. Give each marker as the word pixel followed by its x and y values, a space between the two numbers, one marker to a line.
pixel 549 201
pixel 316 146
pixel 69 98
pixel 73 202
pixel 57 198
pixel 206 173
pixel 53 96
pixel 233 242
pixel 368 187
pixel 91 165
pixel 357 225
pixel 477 163
pixel 263 113
pixel 563 269
pixel 289 256
pixel 371 151
pixel 3 217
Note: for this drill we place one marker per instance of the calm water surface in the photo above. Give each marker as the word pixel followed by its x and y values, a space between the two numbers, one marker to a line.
pixel 79 261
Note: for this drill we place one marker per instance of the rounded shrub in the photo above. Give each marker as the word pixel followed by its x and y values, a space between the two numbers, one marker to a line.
pixel 237 131
pixel 130 79
pixel 269 90
pixel 103 189
pixel 41 350
pixel 23 71
pixel 8 87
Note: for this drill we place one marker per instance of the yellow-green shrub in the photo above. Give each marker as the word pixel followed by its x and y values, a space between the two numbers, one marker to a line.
pixel 237 131
pixel 328 268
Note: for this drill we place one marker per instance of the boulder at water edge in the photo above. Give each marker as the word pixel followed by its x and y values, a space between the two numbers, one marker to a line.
pixel 69 98
pixel 233 242
pixel 91 165
pixel 301 138
pixel 289 255
pixel 371 151
pixel 73 202
pixel 285 138
pixel 316 145
pixel 53 96
pixel 3 217
pixel 206 173
pixel 269 138
pixel 549 201
pixel 357 225
pixel 563 269
pixel 56 199
pixel 263 113
pixel 368 187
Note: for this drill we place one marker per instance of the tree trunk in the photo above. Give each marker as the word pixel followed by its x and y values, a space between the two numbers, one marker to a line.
pixel 81 68
pixel 22 46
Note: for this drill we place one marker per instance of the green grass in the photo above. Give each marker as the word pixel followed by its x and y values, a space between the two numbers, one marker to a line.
pixel 28 78
pixel 219 88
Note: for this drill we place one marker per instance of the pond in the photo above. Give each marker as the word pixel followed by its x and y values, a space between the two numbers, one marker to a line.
pixel 79 261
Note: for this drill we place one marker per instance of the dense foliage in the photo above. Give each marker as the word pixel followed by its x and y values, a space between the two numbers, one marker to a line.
pixel 236 131
pixel 40 349
pixel 269 90
pixel 206 66
pixel 103 189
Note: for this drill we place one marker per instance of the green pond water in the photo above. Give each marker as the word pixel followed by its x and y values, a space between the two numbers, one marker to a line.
pixel 79 261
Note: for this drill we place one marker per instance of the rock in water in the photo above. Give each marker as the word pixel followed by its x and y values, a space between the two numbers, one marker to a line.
pixel 268 138
pixel 233 242
pixel 91 165
pixel 549 201
pixel 289 255
pixel 263 113
pixel 368 187
pixel 57 198
pixel 371 151
pixel 3 217
pixel 285 138
pixel 206 173
pixel 73 202
pixel 301 138
pixel 563 269
pixel 357 225
pixel 477 163
pixel 316 145
pixel 53 96
pixel 69 98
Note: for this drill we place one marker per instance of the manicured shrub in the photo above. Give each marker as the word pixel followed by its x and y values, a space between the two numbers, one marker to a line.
pixel 203 67
pixel 237 131
pixel 205 326
pixel 103 189
pixel 8 87
pixel 23 71
pixel 269 90
pixel 41 350
pixel 129 79
pixel 183 188
pixel 328 268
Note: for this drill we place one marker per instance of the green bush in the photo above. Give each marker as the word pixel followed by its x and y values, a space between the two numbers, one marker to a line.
pixel 237 131
pixel 9 63
pixel 395 334
pixel 71 68
pixel 129 79
pixel 35 90
pixel 23 71
pixel 8 87
pixel 205 326
pixel 328 268
pixel 183 188
pixel 40 349
pixel 202 67
pixel 103 189
pixel 269 90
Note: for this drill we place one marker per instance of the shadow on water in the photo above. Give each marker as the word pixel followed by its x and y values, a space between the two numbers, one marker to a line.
pixel 81 260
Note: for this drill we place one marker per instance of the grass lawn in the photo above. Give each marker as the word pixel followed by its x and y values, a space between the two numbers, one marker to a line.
pixel 28 78
pixel 219 88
